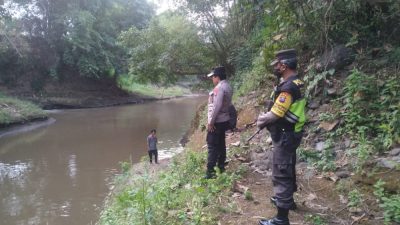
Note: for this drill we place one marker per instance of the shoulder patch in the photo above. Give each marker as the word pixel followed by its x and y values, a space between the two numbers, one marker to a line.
pixel 216 89
pixel 282 97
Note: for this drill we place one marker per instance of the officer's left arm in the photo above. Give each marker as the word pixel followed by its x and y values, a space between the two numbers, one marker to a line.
pixel 278 110
pixel 219 91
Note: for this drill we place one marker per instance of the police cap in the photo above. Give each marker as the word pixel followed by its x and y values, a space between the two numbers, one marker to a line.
pixel 284 56
pixel 218 71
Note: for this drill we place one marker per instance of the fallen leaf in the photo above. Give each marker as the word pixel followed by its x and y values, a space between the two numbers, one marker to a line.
pixel 327 126
pixel 277 37
pixel 236 144
pixel 242 159
pixel 311 197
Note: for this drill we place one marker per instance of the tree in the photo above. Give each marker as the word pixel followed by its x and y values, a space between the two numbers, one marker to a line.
pixel 169 47
pixel 66 38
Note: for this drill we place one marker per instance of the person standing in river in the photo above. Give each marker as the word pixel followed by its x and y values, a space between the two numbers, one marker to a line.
pixel 285 122
pixel 219 100
pixel 152 146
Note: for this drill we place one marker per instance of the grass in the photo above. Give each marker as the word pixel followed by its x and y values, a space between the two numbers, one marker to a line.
pixel 178 195
pixel 13 110
pixel 126 83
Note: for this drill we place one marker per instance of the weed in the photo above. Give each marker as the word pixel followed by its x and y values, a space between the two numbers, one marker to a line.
pixel 355 199
pixel 248 195
pixel 178 195
pixel 315 220
pixel 389 203
pixel 13 110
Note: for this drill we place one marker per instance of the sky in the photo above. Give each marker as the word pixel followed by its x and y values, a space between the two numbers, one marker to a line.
pixel 163 5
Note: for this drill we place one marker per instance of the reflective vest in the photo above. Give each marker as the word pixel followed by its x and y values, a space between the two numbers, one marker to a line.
pixel 295 117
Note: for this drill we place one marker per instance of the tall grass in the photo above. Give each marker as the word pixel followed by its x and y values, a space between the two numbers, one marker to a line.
pixel 13 110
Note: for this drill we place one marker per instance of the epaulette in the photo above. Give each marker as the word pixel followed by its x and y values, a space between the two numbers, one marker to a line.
pixel 298 82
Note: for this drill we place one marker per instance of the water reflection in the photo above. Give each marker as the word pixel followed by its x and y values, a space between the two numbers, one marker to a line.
pixel 60 174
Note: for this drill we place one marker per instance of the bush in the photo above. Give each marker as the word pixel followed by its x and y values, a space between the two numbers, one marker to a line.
pixel 371 112
pixel 389 203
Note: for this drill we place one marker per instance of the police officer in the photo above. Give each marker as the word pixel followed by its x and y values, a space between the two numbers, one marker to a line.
pixel 285 122
pixel 219 100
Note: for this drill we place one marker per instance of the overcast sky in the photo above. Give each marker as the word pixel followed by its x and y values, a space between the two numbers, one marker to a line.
pixel 163 5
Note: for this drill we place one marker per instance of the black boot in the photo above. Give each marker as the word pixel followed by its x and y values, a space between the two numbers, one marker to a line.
pixel 282 218
pixel 210 175
pixel 274 221
pixel 273 201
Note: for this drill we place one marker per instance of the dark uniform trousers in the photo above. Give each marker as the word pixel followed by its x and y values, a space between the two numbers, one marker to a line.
pixel 155 153
pixel 284 166
pixel 216 147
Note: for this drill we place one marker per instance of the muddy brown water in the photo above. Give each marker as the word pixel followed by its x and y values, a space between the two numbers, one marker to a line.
pixel 60 174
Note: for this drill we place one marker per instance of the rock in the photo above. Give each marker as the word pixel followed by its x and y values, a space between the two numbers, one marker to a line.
pixel 387 163
pixel 313 105
pixel 239 188
pixel 320 146
pixel 269 140
pixel 394 152
pixel 236 144
pixel 327 126
pixel 347 143
pixel 355 210
pixel 336 58
pixel 343 174
pixel 325 108
pixel 262 165
pixel 332 91
pixel 260 156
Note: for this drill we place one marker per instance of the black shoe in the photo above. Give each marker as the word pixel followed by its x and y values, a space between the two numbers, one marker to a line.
pixel 210 176
pixel 274 221
pixel 273 201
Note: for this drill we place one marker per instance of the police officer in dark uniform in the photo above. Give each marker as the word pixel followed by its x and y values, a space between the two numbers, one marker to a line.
pixel 285 122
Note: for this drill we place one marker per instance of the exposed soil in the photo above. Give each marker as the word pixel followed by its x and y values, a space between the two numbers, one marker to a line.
pixel 76 92
pixel 317 196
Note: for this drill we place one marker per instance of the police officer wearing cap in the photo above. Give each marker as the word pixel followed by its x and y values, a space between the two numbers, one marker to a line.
pixel 285 122
pixel 219 100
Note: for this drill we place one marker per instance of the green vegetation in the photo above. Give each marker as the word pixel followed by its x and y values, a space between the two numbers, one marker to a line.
pixel 389 203
pixel 125 43
pixel 178 195
pixel 127 83
pixel 13 110
pixel 355 198
pixel 315 220
pixel 168 48
pixel 62 39
pixel 245 38
pixel 372 112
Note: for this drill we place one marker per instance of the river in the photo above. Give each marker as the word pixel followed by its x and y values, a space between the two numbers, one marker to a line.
pixel 60 174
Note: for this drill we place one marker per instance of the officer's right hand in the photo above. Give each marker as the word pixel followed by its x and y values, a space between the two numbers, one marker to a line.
pixel 261 124
pixel 210 128
pixel 261 121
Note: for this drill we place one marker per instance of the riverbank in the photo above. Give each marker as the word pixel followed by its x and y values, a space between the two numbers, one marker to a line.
pixel 330 191
pixel 14 111
pixel 25 108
